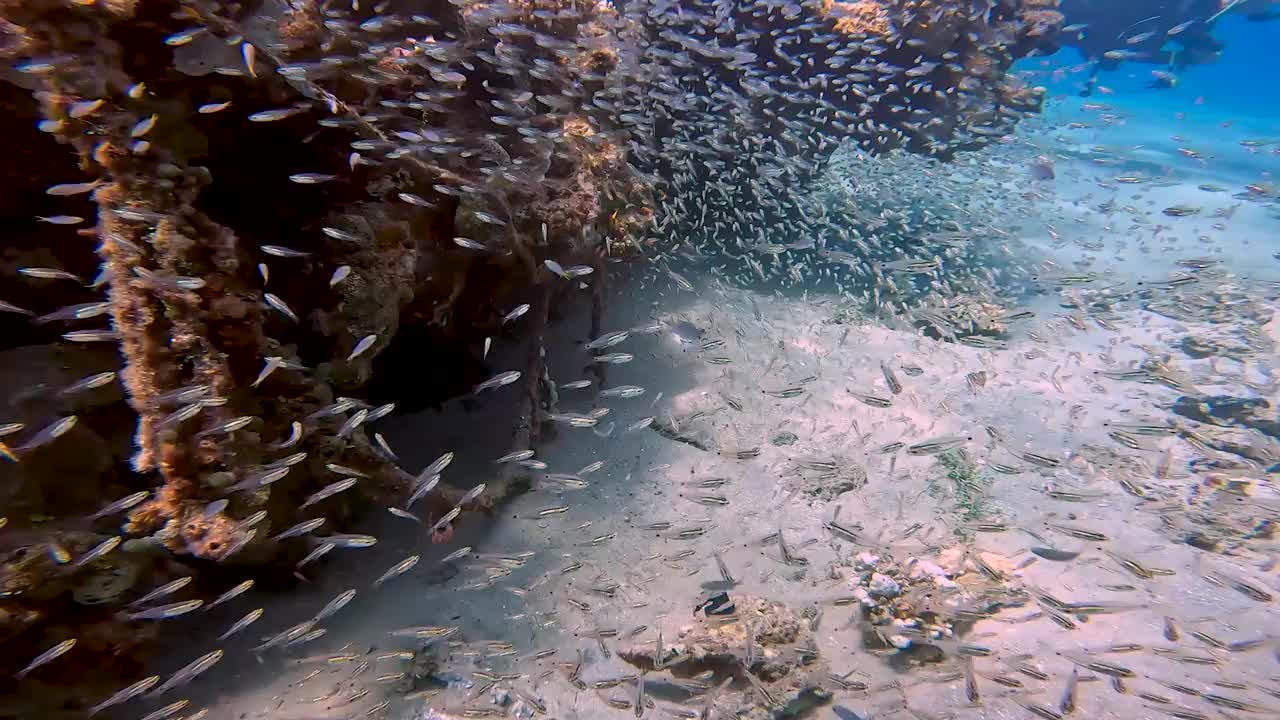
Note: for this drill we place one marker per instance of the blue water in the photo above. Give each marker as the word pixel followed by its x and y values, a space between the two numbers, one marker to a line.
pixel 1212 109
pixel 1242 82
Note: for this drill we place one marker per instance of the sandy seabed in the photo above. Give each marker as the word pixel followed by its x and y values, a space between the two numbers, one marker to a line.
pixel 599 567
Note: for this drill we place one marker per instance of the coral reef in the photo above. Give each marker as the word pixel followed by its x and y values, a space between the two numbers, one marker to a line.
pixel 289 200
pixel 867 17
pixel 760 646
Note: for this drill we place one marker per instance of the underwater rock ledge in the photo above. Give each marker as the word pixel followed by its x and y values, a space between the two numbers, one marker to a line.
pixel 275 185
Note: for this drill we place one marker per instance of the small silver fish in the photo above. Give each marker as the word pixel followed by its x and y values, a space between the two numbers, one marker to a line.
pixel 76 312
pixel 67 189
pixel 328 491
pixel 89 383
pixel 46 657
pixel 438 465
pixel 165 612
pixel 344 470
pixel 181 415
pixel 212 509
pixel 169 710
pixel 60 219
pixel 314 555
pixel 227 427
pixel 285 636
pixel 352 423
pixel 614 358
pixel 126 694
pixel 414 200
pixel 351 541
pixel 486 218
pixel 283 252
pixel 421 489
pixel 516 456
pixel 190 671
pixel 622 391
pixel 339 275
pixel 380 412
pixel 50 274
pixel 382 445
pixel 143 126
pixel 254 519
pixel 249 618
pixel 397 570
pixel 404 514
pixel 338 234
pixel 295 434
pixel 98 551
pixel 162 591
pixel 280 306
pixel 640 424
pixel 555 267
pixel 184 37
pixel 210 108
pixel 260 479
pixel 11 308
pixel 247 53
pixel 472 494
pixel 608 340
pixel 365 343
pixel 231 594
pixel 446 519
pixel 499 380
pixel 84 108
pixel 272 363
pixel 456 554
pixel 515 313
pixel 333 606
pixel 91 336
pixel 311 178
pixel 306 637
pixel 575 385
pixel 937 445
pixel 121 505
pixel 301 528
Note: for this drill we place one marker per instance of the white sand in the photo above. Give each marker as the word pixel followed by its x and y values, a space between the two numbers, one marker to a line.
pixel 644 477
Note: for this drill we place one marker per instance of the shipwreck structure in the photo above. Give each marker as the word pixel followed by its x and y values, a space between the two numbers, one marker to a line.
pixel 247 219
